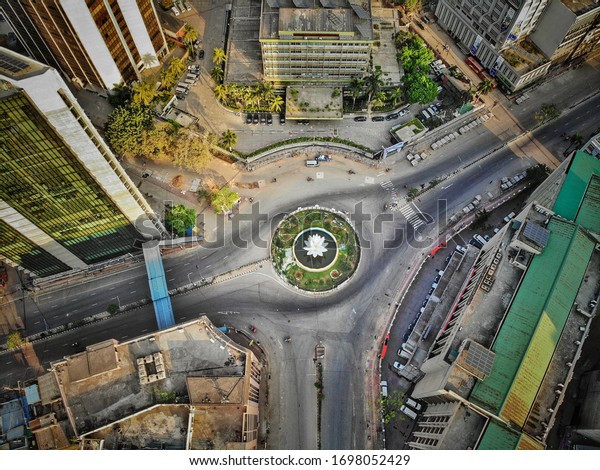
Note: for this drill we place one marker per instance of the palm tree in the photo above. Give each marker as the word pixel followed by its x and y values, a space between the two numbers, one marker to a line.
pixel 190 35
pixel 217 74
pixel 176 66
pixel 219 56
pixel 221 93
pixel 149 60
pixel 143 93
pixel 276 104
pixel 396 95
pixel 379 99
pixel 357 87
pixel 373 82
pixel 228 139
pixel 484 87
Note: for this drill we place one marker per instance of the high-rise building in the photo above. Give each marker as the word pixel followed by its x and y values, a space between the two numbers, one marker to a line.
pixel 319 42
pixel 519 40
pixel 65 202
pixel 95 43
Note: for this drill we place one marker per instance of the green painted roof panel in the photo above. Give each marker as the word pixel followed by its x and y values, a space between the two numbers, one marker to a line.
pixel 498 437
pixel 589 212
pixel 534 322
pixel 574 188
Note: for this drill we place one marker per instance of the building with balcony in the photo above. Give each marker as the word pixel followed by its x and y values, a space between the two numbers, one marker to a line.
pixel 315 42
pixel 65 201
pixel 518 41
pixel 96 44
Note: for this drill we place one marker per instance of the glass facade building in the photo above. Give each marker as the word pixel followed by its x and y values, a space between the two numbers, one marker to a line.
pixel 43 180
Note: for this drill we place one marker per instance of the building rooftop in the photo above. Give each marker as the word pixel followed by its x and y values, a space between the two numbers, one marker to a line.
pixel 112 380
pixel 526 342
pixel 316 19
pixel 17 66
pixel 579 197
pixel 579 7
pixel 497 436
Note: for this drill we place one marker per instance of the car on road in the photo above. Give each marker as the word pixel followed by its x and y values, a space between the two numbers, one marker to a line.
pixel 248 118
pixel 419 24
pixel 377 118
pixel 323 158
pixel 304 122
pixel 360 118
pixel 201 54
pixel 255 118
pixel 282 118
pixel 404 112
pixel 269 119
pixel 384 389
pixel 389 117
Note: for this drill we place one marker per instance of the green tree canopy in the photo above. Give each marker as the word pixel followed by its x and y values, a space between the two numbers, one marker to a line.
pixel 189 34
pixel 179 219
pixel 15 340
pixel 420 88
pixel 125 126
pixel 228 139
pixel 219 56
pixel 416 59
pixel 144 93
pixel 224 199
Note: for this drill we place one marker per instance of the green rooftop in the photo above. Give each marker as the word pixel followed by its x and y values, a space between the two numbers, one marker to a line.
pixel 579 197
pixel 499 437
pixel 532 327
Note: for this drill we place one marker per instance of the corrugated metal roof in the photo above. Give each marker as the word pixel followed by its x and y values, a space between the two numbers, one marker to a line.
pixel 575 187
pixel 498 437
pixel 589 212
pixel 528 337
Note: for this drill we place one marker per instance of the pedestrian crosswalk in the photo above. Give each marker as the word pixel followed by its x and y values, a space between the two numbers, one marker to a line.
pixel 411 216
pixel 387 185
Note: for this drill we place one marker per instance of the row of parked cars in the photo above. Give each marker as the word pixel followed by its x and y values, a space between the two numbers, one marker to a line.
pixel 263 118
pixel 191 78
pixel 180 7
pixel 389 117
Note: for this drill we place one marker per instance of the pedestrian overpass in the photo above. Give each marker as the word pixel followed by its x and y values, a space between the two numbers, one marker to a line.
pixel 158 285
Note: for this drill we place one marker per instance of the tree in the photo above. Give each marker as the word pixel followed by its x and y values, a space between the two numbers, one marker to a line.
pixel 485 87
pixel 15 340
pixel 396 95
pixel 149 60
pixel 412 6
pixel 221 93
pixel 219 56
pixel 143 93
pixel 416 59
pixel 379 99
pixel 228 139
pixel 538 173
pixel 179 219
pixel 373 82
pixel 390 406
pixel 190 35
pixel 111 309
pixel 217 74
pixel 176 66
pixel 575 140
pixel 420 88
pixel 357 89
pixel 125 126
pixel 276 104
pixel 192 151
pixel 224 199
pixel 412 193
pixel 120 95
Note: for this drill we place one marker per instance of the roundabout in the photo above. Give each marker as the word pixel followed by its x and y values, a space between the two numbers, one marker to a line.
pixel 315 249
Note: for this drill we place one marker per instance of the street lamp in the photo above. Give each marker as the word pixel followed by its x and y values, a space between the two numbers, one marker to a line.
pixel 189 279
pixel 119 302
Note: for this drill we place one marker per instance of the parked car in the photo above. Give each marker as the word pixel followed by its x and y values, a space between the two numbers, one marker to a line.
pixel 175 10
pixel 282 118
pixel 389 117
pixel 323 158
pixel 255 119
pixel 263 119
pixel 419 24
pixel 201 54
pixel 304 122
pixel 248 118
pixel 404 112
pixel 360 118
pixel 377 118
pixel 269 119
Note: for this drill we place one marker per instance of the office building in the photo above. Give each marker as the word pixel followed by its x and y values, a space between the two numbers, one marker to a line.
pixel 518 41
pixel 65 202
pixel 497 372
pixel 95 44
pixel 315 42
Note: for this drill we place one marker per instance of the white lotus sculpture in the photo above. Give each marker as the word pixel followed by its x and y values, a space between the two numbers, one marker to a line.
pixel 315 245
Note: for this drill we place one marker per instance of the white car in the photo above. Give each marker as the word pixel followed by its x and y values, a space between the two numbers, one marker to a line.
pixel 404 112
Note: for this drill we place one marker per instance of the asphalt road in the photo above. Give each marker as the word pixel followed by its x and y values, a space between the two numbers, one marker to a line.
pixel 347 322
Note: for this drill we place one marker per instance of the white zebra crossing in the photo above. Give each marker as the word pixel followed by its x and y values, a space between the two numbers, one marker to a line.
pixel 411 216
pixel 387 185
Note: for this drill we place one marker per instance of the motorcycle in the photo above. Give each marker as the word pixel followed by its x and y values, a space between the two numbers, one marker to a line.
pixel 308 178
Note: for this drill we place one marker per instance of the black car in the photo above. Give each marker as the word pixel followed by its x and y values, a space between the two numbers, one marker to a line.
pixel 263 119
pixel 282 119
pixel 389 117
pixel 360 118
pixel 201 54
pixel 377 118
pixel 269 119
pixel 248 118
pixel 420 25
pixel 304 122
pixel 255 118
